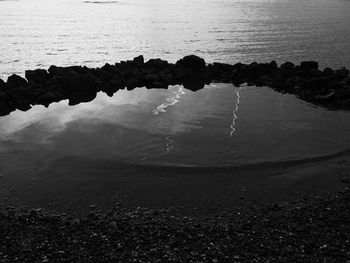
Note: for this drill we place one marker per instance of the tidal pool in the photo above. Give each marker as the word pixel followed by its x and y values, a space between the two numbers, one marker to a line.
pixel 76 148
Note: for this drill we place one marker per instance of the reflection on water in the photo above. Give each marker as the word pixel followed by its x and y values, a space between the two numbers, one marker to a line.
pixel 170 101
pixel 235 111
pixel 174 127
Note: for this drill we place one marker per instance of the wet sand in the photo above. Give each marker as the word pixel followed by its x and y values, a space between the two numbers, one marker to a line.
pixel 192 190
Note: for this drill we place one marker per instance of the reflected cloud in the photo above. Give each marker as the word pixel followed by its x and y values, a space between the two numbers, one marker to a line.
pixel 170 101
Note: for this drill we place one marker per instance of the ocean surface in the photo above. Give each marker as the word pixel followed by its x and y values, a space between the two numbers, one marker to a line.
pixel 39 33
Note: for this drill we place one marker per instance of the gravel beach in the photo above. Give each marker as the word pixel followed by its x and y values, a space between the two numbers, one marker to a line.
pixel 311 229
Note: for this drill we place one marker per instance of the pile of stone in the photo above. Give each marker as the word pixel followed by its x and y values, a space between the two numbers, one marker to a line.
pixel 329 87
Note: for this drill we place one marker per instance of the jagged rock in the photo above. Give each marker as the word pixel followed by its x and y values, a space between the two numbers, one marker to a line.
pixel 192 62
pixel 139 60
pixel 38 75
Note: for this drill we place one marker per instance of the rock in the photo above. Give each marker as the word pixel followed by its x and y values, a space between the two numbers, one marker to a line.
pixel 139 61
pixel 49 97
pixel 38 75
pixel 156 85
pixel 132 83
pixel 308 65
pixel 150 78
pixel 2 85
pixel 328 71
pixel 15 81
pixel 287 66
pixel 3 96
pixel 79 97
pixel 157 63
pixel 341 73
pixel 6 107
pixel 192 62
pixel 318 83
pixel 74 82
pixel 194 84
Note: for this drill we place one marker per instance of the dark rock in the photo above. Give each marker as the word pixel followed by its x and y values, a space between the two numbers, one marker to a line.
pixel 157 63
pixel 54 70
pixel 308 65
pixel 318 83
pixel 132 83
pixel 287 66
pixel 156 85
pixel 38 75
pixel 6 107
pixel 79 97
pixel 194 84
pixel 341 73
pixel 47 98
pixel 2 85
pixel 139 61
pixel 74 82
pixel 328 71
pixel 15 81
pixel 192 62
pixel 108 67
pixel 150 78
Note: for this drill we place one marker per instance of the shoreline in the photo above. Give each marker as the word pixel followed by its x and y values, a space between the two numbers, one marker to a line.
pixel 329 88
pixel 191 190
pixel 312 229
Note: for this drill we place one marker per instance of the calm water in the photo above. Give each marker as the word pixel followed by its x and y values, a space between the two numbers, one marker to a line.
pixel 217 126
pixel 38 33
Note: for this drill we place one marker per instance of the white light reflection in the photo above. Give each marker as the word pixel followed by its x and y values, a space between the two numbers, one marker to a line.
pixel 170 101
pixel 234 112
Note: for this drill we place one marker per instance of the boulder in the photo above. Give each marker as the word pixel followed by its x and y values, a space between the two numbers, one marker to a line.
pixel 341 73
pixel 37 76
pixel 5 106
pixel 287 66
pixel 308 65
pixel 47 98
pixel 157 63
pixel 80 97
pixel 15 81
pixel 139 60
pixel 318 83
pixel 156 85
pixel 328 71
pixel 74 82
pixel 2 85
pixel 192 62
pixel 194 84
